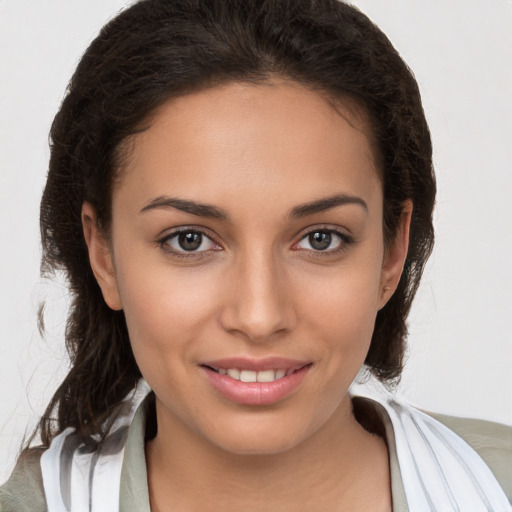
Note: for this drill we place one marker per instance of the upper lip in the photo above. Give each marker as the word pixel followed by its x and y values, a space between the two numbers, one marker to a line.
pixel 257 365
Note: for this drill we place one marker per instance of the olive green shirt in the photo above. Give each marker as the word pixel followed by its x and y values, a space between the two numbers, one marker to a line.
pixel 23 492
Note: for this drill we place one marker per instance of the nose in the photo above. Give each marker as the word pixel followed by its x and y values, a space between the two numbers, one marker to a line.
pixel 259 305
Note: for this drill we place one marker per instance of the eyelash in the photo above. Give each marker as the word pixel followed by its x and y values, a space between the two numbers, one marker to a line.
pixel 183 254
pixel 345 240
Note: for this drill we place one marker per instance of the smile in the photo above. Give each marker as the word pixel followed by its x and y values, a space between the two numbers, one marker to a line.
pixel 254 376
pixel 250 382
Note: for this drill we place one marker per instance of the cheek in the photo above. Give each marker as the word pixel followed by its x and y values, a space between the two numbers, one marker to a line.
pixel 165 310
pixel 345 300
pixel 340 310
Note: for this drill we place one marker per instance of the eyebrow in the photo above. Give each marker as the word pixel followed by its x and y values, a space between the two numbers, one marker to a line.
pixel 187 206
pixel 207 210
pixel 326 203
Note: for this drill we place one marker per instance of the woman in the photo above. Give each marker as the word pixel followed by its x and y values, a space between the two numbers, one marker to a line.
pixel 241 196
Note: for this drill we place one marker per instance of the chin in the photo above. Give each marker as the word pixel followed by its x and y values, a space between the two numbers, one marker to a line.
pixel 257 435
pixel 260 445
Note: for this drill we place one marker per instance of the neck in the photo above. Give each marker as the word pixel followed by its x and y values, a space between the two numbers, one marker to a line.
pixel 190 472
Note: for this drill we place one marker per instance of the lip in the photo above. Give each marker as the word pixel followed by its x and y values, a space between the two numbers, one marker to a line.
pixel 256 365
pixel 255 393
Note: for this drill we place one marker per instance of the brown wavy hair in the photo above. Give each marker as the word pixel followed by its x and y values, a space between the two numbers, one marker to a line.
pixel 159 49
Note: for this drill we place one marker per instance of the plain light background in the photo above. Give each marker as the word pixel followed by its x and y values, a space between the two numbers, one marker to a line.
pixel 460 358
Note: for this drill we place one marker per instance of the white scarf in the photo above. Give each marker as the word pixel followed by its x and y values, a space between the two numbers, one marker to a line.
pixel 80 476
pixel 440 471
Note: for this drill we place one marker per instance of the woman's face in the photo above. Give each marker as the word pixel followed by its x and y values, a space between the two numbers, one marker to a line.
pixel 247 254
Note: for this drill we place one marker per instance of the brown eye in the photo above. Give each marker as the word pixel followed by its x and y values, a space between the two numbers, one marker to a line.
pixel 323 240
pixel 190 241
pixel 320 240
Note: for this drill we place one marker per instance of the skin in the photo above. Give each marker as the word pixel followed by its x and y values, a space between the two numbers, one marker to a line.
pixel 256 288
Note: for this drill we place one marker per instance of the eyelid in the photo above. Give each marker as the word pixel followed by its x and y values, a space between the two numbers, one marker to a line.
pixel 346 238
pixel 338 230
pixel 174 232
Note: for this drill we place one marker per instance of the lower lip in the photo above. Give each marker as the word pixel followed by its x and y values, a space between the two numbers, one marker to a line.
pixel 256 393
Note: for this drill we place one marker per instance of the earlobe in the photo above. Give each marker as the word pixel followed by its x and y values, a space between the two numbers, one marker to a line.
pixel 100 257
pixel 395 256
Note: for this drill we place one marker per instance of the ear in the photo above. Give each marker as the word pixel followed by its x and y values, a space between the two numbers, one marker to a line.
pixel 395 255
pixel 100 257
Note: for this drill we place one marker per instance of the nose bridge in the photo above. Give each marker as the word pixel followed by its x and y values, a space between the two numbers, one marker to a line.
pixel 259 306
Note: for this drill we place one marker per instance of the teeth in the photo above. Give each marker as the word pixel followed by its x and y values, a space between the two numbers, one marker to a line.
pixel 253 376
pixel 234 373
pixel 248 376
pixel 266 376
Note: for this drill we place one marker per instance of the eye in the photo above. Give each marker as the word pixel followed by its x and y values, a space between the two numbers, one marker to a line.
pixel 189 241
pixel 325 240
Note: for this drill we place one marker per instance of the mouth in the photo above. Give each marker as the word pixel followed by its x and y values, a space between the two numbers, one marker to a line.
pixel 252 382
pixel 269 375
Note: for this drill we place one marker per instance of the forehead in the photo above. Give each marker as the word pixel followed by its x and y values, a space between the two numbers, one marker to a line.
pixel 243 138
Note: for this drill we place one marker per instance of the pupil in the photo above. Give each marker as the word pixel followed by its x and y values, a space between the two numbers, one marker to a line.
pixel 190 241
pixel 320 240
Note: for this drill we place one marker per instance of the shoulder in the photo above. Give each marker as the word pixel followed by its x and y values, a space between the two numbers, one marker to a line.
pixel 492 441
pixel 401 422
pixel 24 492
